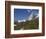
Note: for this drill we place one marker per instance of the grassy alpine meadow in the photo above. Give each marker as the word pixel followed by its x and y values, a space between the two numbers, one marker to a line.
pixel 33 24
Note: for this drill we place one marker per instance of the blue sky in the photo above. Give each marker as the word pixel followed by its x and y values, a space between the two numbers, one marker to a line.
pixel 20 14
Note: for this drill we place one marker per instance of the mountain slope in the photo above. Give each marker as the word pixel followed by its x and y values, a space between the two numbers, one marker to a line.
pixel 33 24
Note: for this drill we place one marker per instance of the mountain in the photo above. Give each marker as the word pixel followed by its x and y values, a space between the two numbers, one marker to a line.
pixel 33 24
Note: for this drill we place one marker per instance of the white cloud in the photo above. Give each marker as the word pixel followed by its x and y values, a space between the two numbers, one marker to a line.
pixel 22 20
pixel 37 16
pixel 28 10
pixel 30 17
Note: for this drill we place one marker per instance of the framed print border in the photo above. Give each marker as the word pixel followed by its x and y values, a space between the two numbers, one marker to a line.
pixel 8 19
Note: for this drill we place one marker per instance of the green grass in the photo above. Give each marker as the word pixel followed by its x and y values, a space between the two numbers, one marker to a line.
pixel 33 24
